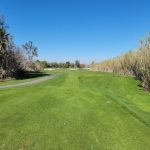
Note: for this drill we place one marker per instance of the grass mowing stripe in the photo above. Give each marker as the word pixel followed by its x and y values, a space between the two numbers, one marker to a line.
pixel 77 110
pixel 134 112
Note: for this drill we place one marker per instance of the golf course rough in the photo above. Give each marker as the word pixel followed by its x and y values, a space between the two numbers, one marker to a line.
pixel 78 110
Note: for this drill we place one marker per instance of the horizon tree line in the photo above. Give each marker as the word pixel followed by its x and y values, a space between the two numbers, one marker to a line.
pixel 66 64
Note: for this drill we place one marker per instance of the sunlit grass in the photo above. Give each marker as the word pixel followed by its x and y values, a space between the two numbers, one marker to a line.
pixel 77 110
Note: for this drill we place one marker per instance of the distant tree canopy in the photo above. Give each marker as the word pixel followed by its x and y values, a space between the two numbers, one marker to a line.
pixel 68 64
pixel 77 63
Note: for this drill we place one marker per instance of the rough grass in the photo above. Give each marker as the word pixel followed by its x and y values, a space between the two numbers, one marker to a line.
pixel 78 110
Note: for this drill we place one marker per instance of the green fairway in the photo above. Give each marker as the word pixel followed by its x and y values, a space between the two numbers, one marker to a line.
pixel 77 110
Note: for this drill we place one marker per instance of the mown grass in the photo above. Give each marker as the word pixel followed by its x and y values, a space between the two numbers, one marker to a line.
pixel 77 110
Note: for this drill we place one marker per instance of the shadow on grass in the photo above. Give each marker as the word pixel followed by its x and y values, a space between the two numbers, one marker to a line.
pixel 140 87
pixel 30 75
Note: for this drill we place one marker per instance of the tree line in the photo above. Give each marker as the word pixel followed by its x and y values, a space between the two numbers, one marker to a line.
pixel 66 64
pixel 135 63
pixel 15 59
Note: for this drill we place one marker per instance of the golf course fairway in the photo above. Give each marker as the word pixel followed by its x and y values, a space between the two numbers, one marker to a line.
pixel 77 110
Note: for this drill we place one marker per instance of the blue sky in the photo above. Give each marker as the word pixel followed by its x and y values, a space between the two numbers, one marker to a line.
pixel 78 29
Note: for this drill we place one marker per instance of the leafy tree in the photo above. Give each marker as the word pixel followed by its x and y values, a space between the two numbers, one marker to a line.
pixel 68 64
pixel 77 63
pixel 44 64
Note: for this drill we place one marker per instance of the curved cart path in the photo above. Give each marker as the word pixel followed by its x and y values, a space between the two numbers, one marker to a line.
pixel 29 82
